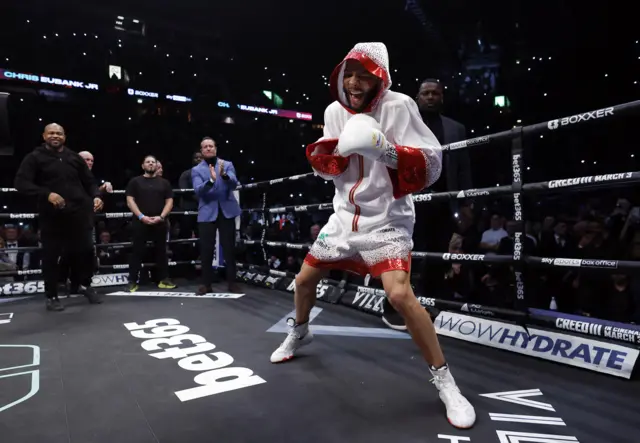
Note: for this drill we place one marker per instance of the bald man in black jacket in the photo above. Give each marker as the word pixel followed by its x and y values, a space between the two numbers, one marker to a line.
pixel 67 197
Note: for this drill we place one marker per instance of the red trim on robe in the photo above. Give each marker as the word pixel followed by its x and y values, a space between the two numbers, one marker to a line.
pixel 411 175
pixel 359 267
pixel 324 161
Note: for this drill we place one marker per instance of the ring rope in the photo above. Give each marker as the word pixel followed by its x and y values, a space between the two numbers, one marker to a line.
pixel 576 184
pixel 535 129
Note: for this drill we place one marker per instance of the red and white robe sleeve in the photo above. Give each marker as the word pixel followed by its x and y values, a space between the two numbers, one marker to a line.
pixel 414 154
pixel 322 154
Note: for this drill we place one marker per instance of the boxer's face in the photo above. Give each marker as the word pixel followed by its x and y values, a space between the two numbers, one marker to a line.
pixel 360 85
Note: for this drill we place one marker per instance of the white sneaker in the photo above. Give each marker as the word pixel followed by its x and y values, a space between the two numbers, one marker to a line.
pixel 460 412
pixel 297 337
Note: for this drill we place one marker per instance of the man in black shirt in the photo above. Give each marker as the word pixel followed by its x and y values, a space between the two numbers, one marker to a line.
pixel 150 198
pixel 67 198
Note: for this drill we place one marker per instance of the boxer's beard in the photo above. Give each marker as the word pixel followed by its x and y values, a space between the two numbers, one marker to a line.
pixel 368 98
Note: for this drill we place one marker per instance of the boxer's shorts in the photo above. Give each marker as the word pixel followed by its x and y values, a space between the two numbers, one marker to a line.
pixel 371 251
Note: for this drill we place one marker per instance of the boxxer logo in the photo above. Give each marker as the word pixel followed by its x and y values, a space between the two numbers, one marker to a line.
pixel 463 257
pixel 555 124
pixel 166 338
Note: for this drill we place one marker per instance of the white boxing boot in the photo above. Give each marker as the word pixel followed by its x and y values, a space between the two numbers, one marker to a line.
pixel 298 336
pixel 460 412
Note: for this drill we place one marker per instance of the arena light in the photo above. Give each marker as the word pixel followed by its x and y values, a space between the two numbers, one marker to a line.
pixel 115 71
pixel 129 25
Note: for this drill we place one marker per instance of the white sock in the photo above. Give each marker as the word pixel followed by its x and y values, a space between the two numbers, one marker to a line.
pixel 303 329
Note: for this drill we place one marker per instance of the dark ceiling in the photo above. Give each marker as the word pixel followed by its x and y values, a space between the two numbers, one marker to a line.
pixel 295 32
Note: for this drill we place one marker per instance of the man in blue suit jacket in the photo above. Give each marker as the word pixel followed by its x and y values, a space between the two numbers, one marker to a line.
pixel 214 181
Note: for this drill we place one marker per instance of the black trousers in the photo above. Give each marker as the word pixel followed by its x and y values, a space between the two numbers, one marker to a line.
pixel 64 265
pixel 140 234
pixel 207 231
pixel 67 235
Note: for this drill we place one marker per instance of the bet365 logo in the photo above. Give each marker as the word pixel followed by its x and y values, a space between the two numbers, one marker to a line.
pixel 18 288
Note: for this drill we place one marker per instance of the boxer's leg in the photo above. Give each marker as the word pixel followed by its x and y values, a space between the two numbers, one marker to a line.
pixel 460 412
pixel 305 291
pixel 329 251
pixel 398 289
pixel 304 298
pixel 387 254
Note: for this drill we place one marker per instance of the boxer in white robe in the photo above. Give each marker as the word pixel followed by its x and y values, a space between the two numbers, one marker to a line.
pixel 378 151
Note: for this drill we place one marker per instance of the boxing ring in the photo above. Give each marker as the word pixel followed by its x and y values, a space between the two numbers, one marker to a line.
pixel 170 366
